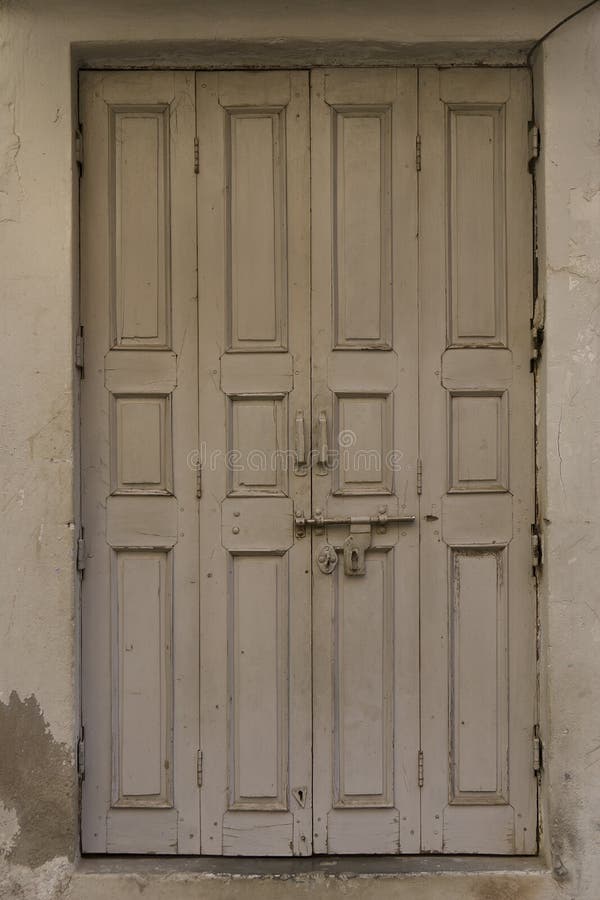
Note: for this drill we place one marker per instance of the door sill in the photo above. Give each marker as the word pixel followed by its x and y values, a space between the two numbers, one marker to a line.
pixel 353 866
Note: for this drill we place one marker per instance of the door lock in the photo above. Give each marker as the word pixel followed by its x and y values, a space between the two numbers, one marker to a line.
pixel 355 545
pixel 327 559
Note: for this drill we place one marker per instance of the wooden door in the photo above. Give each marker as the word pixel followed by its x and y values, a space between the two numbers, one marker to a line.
pixel 365 403
pixel 257 680
pixel 254 378
pixel 477 431
pixel 138 395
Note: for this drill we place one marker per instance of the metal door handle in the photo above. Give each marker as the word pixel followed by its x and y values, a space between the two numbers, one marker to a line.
pixel 323 448
pixel 300 440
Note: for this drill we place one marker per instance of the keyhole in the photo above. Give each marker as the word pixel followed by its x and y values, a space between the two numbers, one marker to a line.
pixel 354 560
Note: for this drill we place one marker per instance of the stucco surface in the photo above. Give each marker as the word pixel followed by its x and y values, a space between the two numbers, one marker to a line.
pixel 567 76
pixel 38 414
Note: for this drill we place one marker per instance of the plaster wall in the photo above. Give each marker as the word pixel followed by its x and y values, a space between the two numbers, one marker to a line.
pixel 567 92
pixel 38 412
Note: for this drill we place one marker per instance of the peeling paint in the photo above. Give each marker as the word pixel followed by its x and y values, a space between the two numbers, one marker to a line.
pixel 9 829
pixel 36 782
pixel 11 189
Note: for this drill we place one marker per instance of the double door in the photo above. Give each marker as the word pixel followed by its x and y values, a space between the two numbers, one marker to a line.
pixel 307 442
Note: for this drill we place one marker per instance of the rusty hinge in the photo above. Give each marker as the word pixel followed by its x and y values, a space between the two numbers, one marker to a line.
pixel 199 767
pixel 79 349
pixel 537 750
pixel 81 758
pixel 420 768
pixel 534 144
pixel 196 156
pixel 78 149
pixel 536 548
pixel 81 552
pixel 419 475
pixel 198 479
pixel 537 330
pixel 418 152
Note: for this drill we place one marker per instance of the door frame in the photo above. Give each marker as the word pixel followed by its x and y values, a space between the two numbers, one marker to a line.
pixel 357 58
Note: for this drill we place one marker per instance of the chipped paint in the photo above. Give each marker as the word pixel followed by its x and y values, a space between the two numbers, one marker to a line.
pixel 36 783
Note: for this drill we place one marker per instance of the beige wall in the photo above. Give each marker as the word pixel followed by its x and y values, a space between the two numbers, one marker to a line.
pixel 38 412
pixel 567 79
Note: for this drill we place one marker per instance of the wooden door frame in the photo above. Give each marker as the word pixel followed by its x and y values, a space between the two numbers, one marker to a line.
pixel 232 55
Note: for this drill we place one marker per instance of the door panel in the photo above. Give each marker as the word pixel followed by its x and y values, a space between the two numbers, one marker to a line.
pixel 365 399
pixel 140 608
pixel 254 395
pixel 477 593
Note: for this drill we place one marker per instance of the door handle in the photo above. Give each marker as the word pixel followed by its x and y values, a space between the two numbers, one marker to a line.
pixel 323 457
pixel 300 462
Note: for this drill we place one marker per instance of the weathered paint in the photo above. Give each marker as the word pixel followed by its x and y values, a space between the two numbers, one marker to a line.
pixel 36 783
pixel 567 79
pixel 38 417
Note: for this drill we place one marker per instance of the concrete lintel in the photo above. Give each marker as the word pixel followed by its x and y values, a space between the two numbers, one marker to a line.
pixel 289 53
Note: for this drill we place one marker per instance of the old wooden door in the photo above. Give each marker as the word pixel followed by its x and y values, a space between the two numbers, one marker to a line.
pixel 254 392
pixel 476 430
pixel 139 406
pixel 308 608
pixel 365 405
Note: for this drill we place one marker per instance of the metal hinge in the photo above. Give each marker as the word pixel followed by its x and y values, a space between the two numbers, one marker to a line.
pixel 536 548
pixel 199 768
pixel 420 768
pixel 196 156
pixel 418 152
pixel 419 476
pixel 81 552
pixel 534 144
pixel 537 750
pixel 198 480
pixel 79 150
pixel 79 349
pixel 537 330
pixel 81 758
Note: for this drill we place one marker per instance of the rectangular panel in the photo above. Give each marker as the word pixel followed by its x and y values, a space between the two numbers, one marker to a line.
pixel 258 665
pixel 257 230
pixel 249 525
pixel 479 675
pixel 477 223
pixel 362 186
pixel 133 372
pixel 469 519
pixel 363 424
pixel 364 687
pixel 158 835
pixel 142 446
pixel 257 833
pixel 142 522
pixel 142 704
pixel 257 373
pixel 478 441
pixel 363 831
pixel 139 146
pixel 258 463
